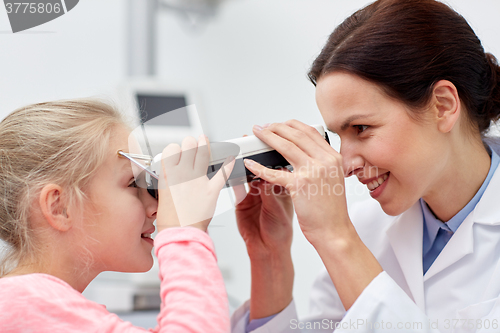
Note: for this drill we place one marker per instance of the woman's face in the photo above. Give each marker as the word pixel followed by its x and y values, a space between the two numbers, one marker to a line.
pixel 123 214
pixel 398 158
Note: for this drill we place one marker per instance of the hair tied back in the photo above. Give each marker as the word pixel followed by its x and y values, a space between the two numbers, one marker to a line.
pixel 492 106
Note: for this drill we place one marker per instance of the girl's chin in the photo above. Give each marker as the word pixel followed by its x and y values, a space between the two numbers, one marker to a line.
pixel 141 266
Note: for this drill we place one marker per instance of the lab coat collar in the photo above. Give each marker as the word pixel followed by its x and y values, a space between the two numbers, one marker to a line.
pixel 406 232
pixel 487 209
pixel 405 236
pixel 459 245
pixel 486 212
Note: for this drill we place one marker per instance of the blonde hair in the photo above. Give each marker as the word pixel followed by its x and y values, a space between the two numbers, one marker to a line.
pixel 61 142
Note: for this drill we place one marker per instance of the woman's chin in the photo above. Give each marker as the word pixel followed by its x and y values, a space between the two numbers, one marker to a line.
pixel 394 208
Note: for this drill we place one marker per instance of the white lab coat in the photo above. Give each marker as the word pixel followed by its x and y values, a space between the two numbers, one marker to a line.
pixel 459 293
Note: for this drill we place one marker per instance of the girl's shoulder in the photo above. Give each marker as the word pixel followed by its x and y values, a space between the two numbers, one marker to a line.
pixel 37 292
pixel 39 301
pixel 35 285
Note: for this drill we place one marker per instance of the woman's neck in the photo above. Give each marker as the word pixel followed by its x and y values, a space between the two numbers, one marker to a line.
pixel 466 171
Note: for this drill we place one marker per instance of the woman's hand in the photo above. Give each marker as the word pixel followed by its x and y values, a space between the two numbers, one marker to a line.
pixel 265 219
pixel 316 185
pixel 317 188
pixel 187 197
pixel 265 222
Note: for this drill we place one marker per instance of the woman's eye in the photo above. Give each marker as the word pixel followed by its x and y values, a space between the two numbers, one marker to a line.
pixel 133 184
pixel 360 128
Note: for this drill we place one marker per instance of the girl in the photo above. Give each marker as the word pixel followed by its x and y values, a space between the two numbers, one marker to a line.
pixel 410 91
pixel 70 209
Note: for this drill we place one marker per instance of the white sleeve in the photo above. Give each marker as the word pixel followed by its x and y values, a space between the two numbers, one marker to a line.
pixel 325 310
pixel 325 307
pixel 279 324
pixel 383 307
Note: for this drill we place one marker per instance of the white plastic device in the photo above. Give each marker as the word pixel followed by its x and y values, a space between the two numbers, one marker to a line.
pixel 249 147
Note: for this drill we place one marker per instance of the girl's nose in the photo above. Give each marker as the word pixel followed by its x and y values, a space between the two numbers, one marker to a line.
pixel 150 203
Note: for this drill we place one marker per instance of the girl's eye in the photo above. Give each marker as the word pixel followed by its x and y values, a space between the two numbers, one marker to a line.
pixel 360 128
pixel 133 184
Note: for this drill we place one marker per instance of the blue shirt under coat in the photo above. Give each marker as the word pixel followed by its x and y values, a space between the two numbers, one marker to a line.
pixel 437 233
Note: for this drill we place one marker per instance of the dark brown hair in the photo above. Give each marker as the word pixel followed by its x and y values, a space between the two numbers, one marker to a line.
pixel 405 46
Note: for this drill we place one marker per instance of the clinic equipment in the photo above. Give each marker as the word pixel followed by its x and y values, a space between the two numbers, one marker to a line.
pixel 249 147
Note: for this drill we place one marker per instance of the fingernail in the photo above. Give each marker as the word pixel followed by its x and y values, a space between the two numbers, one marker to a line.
pixel 257 128
pixel 266 125
pixel 248 162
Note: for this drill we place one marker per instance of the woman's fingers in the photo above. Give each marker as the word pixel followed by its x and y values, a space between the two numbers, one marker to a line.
pixel 305 137
pixel 287 148
pixel 278 177
pixel 312 133
pixel 240 193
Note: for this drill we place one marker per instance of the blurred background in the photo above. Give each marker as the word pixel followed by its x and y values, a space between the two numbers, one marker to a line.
pixel 240 62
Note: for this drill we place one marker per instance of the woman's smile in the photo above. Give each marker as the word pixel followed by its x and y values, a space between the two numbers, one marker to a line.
pixel 376 184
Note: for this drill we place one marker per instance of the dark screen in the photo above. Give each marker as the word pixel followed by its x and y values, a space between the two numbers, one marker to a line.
pixel 151 106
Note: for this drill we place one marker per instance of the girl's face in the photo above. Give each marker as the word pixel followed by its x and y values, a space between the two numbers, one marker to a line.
pixel 123 213
pixel 400 160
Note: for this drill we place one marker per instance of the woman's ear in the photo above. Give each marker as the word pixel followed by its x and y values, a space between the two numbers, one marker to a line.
pixel 54 207
pixel 447 105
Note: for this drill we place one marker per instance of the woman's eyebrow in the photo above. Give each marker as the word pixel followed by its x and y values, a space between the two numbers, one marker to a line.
pixel 349 120
pixel 330 130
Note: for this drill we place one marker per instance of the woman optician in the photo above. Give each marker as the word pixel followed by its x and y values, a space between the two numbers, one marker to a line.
pixel 408 88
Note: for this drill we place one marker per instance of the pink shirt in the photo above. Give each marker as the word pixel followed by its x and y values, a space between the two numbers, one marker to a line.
pixel 192 292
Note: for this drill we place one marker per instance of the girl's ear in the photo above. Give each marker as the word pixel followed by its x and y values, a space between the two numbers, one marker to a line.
pixel 447 105
pixel 54 207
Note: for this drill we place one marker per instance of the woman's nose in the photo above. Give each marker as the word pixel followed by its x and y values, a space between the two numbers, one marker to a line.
pixel 351 161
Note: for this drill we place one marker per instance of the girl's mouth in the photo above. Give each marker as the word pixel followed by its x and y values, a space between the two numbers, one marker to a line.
pixel 147 238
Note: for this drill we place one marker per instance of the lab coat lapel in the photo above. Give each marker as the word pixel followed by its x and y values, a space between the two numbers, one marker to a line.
pixel 487 210
pixel 405 237
pixel 459 245
pixel 462 243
